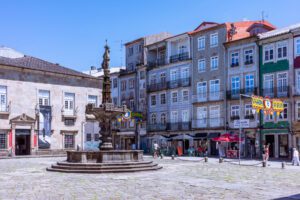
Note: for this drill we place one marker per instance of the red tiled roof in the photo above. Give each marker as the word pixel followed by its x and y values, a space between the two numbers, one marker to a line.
pixel 242 28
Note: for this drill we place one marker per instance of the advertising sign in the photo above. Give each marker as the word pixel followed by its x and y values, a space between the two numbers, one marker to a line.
pixel 244 123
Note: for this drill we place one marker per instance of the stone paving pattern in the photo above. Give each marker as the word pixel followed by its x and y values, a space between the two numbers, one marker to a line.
pixel 179 179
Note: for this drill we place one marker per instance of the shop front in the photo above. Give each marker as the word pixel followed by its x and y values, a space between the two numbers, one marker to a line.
pixel 296 132
pixel 279 142
pixel 251 143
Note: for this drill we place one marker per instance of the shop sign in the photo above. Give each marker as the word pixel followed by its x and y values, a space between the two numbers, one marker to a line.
pixel 243 122
pixel 269 106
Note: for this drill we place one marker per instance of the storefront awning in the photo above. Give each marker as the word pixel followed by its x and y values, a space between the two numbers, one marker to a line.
pixel 200 136
pixel 129 133
pixel 213 135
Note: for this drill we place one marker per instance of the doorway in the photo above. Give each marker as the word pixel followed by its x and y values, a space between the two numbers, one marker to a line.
pixel 22 142
pixel 270 140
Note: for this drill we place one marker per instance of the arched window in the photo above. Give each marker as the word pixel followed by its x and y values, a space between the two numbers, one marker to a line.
pixel 153 118
pixel 163 118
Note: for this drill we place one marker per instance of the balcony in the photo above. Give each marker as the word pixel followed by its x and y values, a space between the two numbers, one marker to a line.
pixel 127 71
pixel 157 87
pixel 69 113
pixel 204 97
pixel 236 64
pixel 179 57
pixel 251 117
pixel 179 126
pixel 234 117
pixel 235 94
pixel 208 123
pixel 276 92
pixel 156 63
pixel 156 127
pixel 249 62
pixel 183 82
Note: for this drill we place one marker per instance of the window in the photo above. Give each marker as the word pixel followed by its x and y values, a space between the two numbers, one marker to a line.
pixel 3 141
pixel 123 85
pixel 234 59
pixel 281 50
pixel 153 100
pixel 44 97
pixel 153 118
pixel 153 79
pixel 201 43
pixel 248 111
pixel 140 48
pixel 268 89
pixel 130 51
pixel 284 115
pixel 268 117
pixel 201 65
pixel 96 137
pixel 92 99
pixel 268 53
pixel 235 85
pixel 131 104
pixel 174 117
pixel 248 57
pixel 235 112
pixel 163 99
pixel 174 97
pixel 131 83
pixel 3 98
pixel 201 90
pixel 163 118
pixel 185 73
pixel 214 89
pixel 298 81
pixel 185 116
pixel 249 83
pixel 69 103
pixel 69 141
pixel 185 95
pixel 115 83
pixel 69 122
pixel 214 116
pixel 282 84
pixel 201 116
pixel 297 46
pixel 182 49
pixel 214 63
pixel 163 77
pixel 142 75
pixel 298 110
pixel 214 40
pixel 88 137
pixel 115 101
pixel 130 66
pixel 174 75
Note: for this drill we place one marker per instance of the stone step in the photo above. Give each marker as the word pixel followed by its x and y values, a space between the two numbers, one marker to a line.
pixel 104 170
pixel 88 167
pixel 105 164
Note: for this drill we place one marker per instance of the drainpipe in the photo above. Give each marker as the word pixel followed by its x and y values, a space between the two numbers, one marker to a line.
pixel 82 134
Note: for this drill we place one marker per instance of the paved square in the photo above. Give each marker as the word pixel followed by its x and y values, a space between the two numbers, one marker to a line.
pixel 28 179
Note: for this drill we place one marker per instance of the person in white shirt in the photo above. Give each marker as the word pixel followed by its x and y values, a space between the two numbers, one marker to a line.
pixel 295 157
pixel 156 147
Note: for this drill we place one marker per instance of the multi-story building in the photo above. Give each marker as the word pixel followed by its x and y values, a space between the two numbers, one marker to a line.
pixel 169 86
pixel 295 30
pixel 42 107
pixel 209 81
pixel 276 78
pixel 242 69
pixel 133 90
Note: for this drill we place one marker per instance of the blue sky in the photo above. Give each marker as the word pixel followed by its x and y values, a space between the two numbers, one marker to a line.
pixel 73 32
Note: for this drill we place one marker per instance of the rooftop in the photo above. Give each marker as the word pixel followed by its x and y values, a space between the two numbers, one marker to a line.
pixel 279 31
pixel 11 57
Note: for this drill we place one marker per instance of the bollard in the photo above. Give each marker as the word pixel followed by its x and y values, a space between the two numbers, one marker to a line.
pixel 205 159
pixel 172 157
pixel 283 165
pixel 220 160
pixel 264 163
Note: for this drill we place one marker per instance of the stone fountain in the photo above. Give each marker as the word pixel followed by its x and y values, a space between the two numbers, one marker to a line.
pixel 107 159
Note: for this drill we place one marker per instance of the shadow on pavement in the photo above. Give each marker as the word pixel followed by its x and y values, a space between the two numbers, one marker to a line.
pixel 292 197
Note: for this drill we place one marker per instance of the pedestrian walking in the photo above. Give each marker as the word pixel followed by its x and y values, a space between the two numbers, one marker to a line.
pixel 267 153
pixel 156 147
pixel 295 160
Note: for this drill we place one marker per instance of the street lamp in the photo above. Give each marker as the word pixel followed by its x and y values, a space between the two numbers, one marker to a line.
pixel 240 129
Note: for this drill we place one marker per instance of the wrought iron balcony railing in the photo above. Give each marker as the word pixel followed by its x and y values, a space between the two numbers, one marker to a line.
pixel 282 91
pixel 179 57
pixel 235 94
pixel 208 123
pixel 183 82
pixel 207 96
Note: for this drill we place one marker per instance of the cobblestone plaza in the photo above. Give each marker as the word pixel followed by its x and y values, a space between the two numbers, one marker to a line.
pixel 179 179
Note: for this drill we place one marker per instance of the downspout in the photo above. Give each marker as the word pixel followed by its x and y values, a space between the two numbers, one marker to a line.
pixel 82 134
